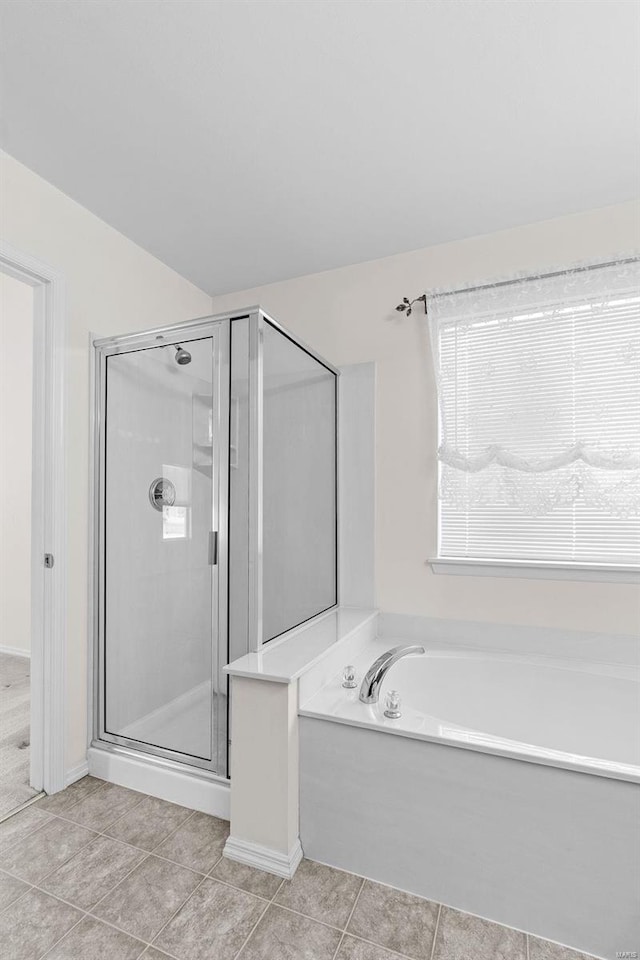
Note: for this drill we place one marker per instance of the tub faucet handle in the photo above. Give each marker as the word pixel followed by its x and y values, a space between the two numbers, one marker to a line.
pixel 392 704
pixel 349 677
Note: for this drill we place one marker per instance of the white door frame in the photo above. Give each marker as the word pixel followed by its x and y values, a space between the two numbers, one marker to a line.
pixel 48 517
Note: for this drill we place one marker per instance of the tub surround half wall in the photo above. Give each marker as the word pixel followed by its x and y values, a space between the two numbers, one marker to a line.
pixel 264 827
pixel 297 652
pixel 266 688
pixel 548 851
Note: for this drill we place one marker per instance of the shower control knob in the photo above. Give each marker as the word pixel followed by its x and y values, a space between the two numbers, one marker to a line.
pixel 162 493
pixel 392 704
pixel 349 677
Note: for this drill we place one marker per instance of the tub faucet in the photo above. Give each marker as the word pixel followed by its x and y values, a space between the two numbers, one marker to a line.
pixel 370 689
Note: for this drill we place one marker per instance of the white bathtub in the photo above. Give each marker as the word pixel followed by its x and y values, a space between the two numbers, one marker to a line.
pixel 565 713
pixel 440 802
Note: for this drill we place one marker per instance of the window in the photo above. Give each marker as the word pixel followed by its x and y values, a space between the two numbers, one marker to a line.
pixel 539 402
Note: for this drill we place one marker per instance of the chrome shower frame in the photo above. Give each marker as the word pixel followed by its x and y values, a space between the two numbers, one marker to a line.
pixel 221 325
pixel 219 332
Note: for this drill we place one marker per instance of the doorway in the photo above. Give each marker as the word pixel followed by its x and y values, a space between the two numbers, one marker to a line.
pixel 32 530
pixel 16 438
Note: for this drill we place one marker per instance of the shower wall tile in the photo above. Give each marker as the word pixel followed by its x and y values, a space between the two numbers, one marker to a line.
pixel 159 603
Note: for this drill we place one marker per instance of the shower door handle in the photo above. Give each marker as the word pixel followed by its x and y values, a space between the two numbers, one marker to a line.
pixel 213 547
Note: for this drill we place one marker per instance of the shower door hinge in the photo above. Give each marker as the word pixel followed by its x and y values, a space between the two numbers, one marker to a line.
pixel 48 560
pixel 213 547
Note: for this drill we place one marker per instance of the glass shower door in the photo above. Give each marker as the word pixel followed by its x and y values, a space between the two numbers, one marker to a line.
pixel 164 523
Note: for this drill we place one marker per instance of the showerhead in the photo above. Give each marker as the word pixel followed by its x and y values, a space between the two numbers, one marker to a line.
pixel 182 356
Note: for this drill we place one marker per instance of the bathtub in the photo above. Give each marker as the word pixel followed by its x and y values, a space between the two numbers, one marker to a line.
pixel 565 713
pixel 508 788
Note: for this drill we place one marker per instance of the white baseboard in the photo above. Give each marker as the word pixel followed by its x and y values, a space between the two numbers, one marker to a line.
pixel 76 773
pixel 264 858
pixel 161 779
pixel 15 651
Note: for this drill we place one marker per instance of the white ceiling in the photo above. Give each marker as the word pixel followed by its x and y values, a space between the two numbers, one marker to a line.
pixel 248 142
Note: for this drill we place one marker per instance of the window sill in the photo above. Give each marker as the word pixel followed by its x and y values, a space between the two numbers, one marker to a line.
pixel 535 570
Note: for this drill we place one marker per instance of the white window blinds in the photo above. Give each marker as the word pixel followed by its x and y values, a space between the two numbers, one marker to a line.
pixel 539 400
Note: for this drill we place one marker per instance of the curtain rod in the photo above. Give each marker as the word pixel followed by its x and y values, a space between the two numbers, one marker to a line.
pixel 538 276
pixel 406 305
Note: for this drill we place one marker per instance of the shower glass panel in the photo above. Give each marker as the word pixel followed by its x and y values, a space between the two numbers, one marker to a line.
pixel 299 484
pixel 163 689
pixel 215 522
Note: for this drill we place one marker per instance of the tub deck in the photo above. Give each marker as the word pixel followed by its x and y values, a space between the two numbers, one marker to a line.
pixel 573 714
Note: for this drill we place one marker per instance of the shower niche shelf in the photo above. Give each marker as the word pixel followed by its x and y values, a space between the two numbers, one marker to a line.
pixel 203 430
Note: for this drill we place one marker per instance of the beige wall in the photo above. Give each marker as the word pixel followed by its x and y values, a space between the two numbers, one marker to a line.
pixel 113 286
pixel 348 315
pixel 16 384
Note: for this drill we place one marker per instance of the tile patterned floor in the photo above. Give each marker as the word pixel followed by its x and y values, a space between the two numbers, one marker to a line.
pixel 102 872
pixel 15 708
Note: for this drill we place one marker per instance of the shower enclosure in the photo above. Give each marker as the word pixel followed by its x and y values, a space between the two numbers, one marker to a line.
pixel 215 522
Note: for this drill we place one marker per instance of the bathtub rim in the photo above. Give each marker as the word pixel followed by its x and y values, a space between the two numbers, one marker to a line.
pixel 320 707
pixel 586 765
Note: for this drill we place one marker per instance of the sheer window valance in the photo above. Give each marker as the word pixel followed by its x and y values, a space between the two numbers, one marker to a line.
pixel 539 401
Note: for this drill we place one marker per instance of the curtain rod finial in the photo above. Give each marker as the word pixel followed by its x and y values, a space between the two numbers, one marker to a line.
pixel 406 305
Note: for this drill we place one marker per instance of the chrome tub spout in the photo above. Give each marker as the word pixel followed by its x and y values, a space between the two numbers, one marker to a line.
pixel 370 689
